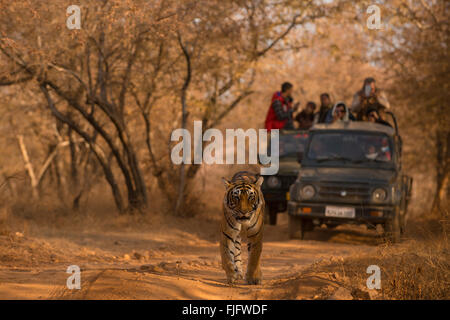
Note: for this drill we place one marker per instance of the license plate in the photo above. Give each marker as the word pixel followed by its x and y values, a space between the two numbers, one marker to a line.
pixel 340 212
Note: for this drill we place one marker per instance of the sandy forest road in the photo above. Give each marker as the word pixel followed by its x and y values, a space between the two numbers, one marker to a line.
pixel 172 261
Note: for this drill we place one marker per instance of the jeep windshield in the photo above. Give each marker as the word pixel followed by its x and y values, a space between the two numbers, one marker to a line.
pixel 350 148
pixel 291 144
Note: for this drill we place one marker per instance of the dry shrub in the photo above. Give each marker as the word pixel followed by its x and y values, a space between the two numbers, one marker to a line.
pixel 195 204
pixel 415 269
pixel 49 216
pixel 418 268
pixel 423 275
pixel 4 214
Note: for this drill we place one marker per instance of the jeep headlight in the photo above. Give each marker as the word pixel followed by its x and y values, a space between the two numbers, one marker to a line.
pixel 379 195
pixel 307 192
pixel 273 182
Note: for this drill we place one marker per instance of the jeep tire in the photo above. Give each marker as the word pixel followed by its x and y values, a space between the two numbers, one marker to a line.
pixel 392 227
pixel 270 215
pixel 403 213
pixel 296 227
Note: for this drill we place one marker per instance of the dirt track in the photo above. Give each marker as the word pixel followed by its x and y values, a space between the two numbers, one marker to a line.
pixel 170 261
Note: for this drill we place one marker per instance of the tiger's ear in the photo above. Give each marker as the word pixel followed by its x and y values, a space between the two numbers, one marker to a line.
pixel 259 181
pixel 226 182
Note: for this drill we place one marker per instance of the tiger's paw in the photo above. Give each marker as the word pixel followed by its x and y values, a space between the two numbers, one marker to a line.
pixel 231 279
pixel 253 280
pixel 239 274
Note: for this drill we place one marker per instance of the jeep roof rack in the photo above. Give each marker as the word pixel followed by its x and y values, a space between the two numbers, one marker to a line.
pixel 292 131
pixel 394 120
pixel 355 125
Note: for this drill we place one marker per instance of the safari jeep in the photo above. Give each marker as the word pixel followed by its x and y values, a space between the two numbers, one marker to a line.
pixel 276 187
pixel 351 173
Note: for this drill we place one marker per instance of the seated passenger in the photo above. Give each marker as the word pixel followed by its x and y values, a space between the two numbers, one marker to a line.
pixel 386 151
pixel 339 112
pixel 318 149
pixel 371 153
pixel 373 115
pixel 325 107
pixel 305 118
pixel 380 155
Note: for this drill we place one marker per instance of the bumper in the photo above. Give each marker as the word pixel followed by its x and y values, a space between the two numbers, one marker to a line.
pixel 276 196
pixel 277 200
pixel 363 213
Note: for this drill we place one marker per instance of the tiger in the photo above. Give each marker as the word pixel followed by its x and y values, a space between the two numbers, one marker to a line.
pixel 243 209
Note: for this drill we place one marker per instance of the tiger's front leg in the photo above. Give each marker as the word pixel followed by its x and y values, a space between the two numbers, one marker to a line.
pixel 254 234
pixel 238 257
pixel 254 275
pixel 228 251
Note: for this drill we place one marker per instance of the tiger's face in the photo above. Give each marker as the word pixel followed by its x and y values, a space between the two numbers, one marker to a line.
pixel 243 198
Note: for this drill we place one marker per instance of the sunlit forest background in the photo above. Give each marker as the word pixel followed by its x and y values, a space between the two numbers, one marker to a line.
pixel 86 115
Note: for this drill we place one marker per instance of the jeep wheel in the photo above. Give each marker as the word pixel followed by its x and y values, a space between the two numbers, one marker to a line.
pixel 402 223
pixel 270 215
pixel 296 227
pixel 392 227
pixel 403 217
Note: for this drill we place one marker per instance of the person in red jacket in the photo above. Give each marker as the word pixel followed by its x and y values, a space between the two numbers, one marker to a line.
pixel 280 112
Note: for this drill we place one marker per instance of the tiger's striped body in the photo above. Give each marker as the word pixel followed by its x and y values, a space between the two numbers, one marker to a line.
pixel 243 212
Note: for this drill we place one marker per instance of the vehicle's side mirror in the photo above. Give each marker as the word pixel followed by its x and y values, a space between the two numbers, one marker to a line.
pixel 299 156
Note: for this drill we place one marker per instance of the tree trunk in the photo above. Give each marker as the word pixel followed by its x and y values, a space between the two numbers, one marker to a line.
pixel 95 149
pixel 442 173
pixel 440 196
pixel 73 162
pixel 29 167
pixel 180 199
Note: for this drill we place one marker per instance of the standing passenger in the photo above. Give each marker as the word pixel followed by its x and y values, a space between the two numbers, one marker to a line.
pixel 280 112
pixel 369 96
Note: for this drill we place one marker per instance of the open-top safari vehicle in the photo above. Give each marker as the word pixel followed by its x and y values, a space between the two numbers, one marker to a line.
pixel 276 187
pixel 351 172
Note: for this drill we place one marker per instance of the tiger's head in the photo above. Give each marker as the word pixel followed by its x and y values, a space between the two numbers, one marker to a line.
pixel 243 198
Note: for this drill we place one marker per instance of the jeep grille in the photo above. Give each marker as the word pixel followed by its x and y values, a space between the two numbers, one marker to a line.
pixel 344 191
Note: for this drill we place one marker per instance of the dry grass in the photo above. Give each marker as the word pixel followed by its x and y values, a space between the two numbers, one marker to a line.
pixel 50 218
pixel 4 214
pixel 418 268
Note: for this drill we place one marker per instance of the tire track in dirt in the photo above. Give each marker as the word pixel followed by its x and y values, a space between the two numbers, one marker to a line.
pixel 174 265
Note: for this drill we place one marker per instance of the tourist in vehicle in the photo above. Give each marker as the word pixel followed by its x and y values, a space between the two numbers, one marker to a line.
pixel 367 97
pixel 318 150
pixel 373 115
pixel 385 149
pixel 305 119
pixel 371 153
pixel 325 107
pixel 339 112
pixel 280 112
